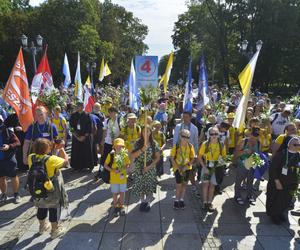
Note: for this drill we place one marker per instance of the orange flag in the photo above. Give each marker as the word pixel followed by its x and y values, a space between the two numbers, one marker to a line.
pixel 16 92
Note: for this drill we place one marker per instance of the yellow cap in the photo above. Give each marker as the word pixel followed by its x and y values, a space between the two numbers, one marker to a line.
pixel 154 123
pixel 119 142
pixel 230 115
pixel 109 99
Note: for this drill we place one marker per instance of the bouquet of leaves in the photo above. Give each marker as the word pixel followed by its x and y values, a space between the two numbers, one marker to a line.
pixel 148 95
pixel 52 98
pixel 120 159
pixel 253 161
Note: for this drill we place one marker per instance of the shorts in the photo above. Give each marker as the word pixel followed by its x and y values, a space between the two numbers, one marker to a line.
pixel 118 188
pixel 212 178
pixel 8 168
pixel 182 178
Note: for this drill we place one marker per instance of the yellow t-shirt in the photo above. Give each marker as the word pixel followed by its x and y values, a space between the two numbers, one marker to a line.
pixel 279 140
pixel 265 139
pixel 213 153
pixel 53 164
pixel 118 178
pixel 231 139
pixel 59 123
pixel 183 155
pixel 160 138
pixel 130 135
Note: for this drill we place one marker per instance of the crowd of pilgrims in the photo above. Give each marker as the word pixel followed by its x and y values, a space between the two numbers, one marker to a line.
pixel 125 146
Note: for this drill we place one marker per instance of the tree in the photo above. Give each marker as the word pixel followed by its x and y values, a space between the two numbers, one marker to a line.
pixel 95 29
pixel 217 27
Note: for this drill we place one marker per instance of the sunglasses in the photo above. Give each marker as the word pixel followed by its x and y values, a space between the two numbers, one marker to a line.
pixel 185 137
pixel 296 145
pixel 216 134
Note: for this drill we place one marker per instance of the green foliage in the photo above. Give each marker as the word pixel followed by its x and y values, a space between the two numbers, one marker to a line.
pixel 87 42
pixel 217 27
pixel 148 95
pixel 95 29
pixel 5 7
pixel 52 98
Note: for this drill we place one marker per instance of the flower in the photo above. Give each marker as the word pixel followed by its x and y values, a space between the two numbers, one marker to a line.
pixel 253 161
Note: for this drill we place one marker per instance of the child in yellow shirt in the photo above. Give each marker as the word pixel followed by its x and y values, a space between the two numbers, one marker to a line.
pixel 209 158
pixel 182 158
pixel 117 163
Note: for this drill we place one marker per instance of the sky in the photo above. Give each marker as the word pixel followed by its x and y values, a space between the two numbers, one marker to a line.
pixel 158 15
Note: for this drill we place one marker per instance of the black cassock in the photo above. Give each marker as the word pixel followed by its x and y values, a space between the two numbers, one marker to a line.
pixel 279 200
pixel 82 152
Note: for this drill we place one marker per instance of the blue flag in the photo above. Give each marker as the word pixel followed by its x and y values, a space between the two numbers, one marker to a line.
pixel 188 95
pixel 203 90
pixel 66 72
pixel 133 90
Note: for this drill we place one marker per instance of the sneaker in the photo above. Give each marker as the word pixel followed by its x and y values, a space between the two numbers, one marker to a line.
pixel 251 200
pixel 204 207
pixel 176 205
pixel 44 227
pixel 147 208
pixel 17 199
pixel 210 208
pixel 182 205
pixel 122 211
pixel 58 232
pixel 116 211
pixel 239 201
pixel 143 206
pixel 3 198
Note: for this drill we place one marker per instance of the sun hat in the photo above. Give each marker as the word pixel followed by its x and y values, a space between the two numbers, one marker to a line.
pixel 131 116
pixel 119 142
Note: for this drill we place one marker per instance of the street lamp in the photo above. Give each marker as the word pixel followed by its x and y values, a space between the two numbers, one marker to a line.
pixel 248 50
pixel 32 49
pixel 91 67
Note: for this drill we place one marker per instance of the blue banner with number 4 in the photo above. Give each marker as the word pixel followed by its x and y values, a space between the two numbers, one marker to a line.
pixel 146 69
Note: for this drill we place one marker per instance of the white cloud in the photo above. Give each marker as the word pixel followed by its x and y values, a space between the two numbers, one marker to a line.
pixel 158 15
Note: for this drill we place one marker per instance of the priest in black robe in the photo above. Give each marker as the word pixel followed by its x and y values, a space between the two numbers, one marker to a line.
pixel 82 150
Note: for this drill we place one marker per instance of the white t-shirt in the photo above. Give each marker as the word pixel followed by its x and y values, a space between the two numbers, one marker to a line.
pixel 112 129
pixel 279 123
pixel 223 136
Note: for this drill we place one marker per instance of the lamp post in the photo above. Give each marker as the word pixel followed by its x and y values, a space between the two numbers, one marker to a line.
pixel 32 49
pixel 90 67
pixel 246 50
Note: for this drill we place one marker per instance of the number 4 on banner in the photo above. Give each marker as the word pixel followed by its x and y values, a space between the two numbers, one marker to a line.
pixel 146 66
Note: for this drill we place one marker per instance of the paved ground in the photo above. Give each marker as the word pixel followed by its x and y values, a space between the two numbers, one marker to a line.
pixel 91 226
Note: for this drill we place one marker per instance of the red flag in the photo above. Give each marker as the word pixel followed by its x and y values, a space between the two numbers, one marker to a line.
pixel 16 92
pixel 88 100
pixel 42 80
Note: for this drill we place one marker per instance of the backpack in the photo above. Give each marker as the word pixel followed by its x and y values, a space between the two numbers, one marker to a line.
pixel 67 127
pixel 37 176
pixel 105 174
pixel 275 118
